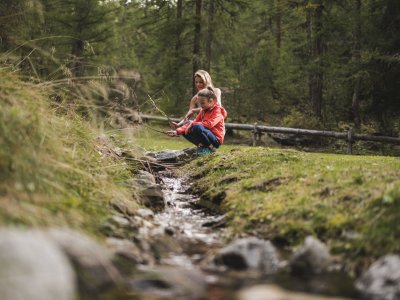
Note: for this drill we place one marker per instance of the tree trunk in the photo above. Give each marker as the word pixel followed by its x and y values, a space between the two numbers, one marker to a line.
pixel 278 19
pixel 316 76
pixel 77 58
pixel 211 9
pixel 357 58
pixel 179 25
pixel 196 43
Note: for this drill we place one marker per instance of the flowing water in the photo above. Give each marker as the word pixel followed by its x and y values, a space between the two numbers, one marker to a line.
pixel 188 222
pixel 198 232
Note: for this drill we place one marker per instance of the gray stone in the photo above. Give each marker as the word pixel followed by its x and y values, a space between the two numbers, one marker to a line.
pixel 171 282
pixel 33 267
pixel 312 258
pixel 145 213
pixel 216 222
pixel 123 206
pixel 251 254
pixel 191 152
pixel 92 262
pixel 146 176
pixel 273 292
pixel 120 221
pixel 382 280
pixel 171 156
pixel 127 255
pixel 153 197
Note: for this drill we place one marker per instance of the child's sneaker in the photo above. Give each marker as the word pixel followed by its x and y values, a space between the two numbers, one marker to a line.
pixel 204 151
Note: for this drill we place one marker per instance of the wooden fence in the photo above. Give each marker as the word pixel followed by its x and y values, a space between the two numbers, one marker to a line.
pixel 258 130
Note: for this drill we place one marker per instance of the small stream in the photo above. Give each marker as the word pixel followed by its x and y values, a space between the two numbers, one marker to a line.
pixel 200 235
pixel 189 223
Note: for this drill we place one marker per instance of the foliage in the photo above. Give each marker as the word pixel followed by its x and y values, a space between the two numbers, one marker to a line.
pixel 275 61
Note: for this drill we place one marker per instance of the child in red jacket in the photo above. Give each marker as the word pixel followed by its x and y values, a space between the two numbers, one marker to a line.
pixel 207 130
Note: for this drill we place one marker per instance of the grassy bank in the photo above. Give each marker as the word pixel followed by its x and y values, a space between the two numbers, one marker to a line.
pixel 54 170
pixel 350 202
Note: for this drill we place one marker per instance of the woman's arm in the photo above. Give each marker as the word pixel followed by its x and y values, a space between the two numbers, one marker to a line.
pixel 192 110
pixel 218 94
pixel 192 107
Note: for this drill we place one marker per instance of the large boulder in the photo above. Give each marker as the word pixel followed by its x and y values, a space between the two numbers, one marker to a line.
pixel 92 261
pixel 382 280
pixel 33 267
pixel 250 254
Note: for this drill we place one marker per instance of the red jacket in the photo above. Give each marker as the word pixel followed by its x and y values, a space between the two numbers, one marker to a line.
pixel 213 119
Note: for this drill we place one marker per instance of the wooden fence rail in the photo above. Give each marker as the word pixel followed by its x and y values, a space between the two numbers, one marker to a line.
pixel 257 131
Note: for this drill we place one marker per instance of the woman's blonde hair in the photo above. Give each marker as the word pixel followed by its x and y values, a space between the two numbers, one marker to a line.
pixel 205 77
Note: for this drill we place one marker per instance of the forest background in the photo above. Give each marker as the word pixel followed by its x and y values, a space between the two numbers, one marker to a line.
pixel 296 63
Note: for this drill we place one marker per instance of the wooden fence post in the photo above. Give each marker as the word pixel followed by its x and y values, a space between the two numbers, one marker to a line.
pixel 350 141
pixel 256 135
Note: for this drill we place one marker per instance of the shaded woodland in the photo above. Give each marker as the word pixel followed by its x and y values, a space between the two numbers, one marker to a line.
pixel 297 63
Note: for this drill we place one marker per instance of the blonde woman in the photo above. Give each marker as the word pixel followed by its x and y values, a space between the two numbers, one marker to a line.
pixel 202 80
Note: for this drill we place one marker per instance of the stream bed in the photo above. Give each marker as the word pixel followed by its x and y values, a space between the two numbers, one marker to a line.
pixel 201 234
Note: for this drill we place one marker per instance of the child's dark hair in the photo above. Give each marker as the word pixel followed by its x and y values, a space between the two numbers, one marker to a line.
pixel 208 93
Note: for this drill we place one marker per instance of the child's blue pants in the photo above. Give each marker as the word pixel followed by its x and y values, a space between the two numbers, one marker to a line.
pixel 202 135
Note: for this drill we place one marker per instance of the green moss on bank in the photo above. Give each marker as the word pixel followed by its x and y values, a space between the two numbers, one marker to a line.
pixel 351 202
pixel 53 170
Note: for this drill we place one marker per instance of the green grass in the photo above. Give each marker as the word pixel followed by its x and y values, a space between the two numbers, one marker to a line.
pixel 53 169
pixel 350 202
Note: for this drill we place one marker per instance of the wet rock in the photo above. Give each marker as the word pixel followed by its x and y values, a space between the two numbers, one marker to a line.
pixel 251 254
pixel 382 280
pixel 33 267
pixel 171 283
pixel 216 222
pixel 145 213
pixel 92 262
pixel 312 258
pixel 120 221
pixel 126 255
pixel 191 152
pixel 162 245
pixel 142 180
pixel 123 206
pixel 169 230
pixel 153 197
pixel 119 226
pixel 272 292
pixel 146 176
pixel 171 156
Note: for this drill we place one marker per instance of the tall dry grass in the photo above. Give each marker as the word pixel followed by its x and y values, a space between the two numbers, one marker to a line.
pixel 52 167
